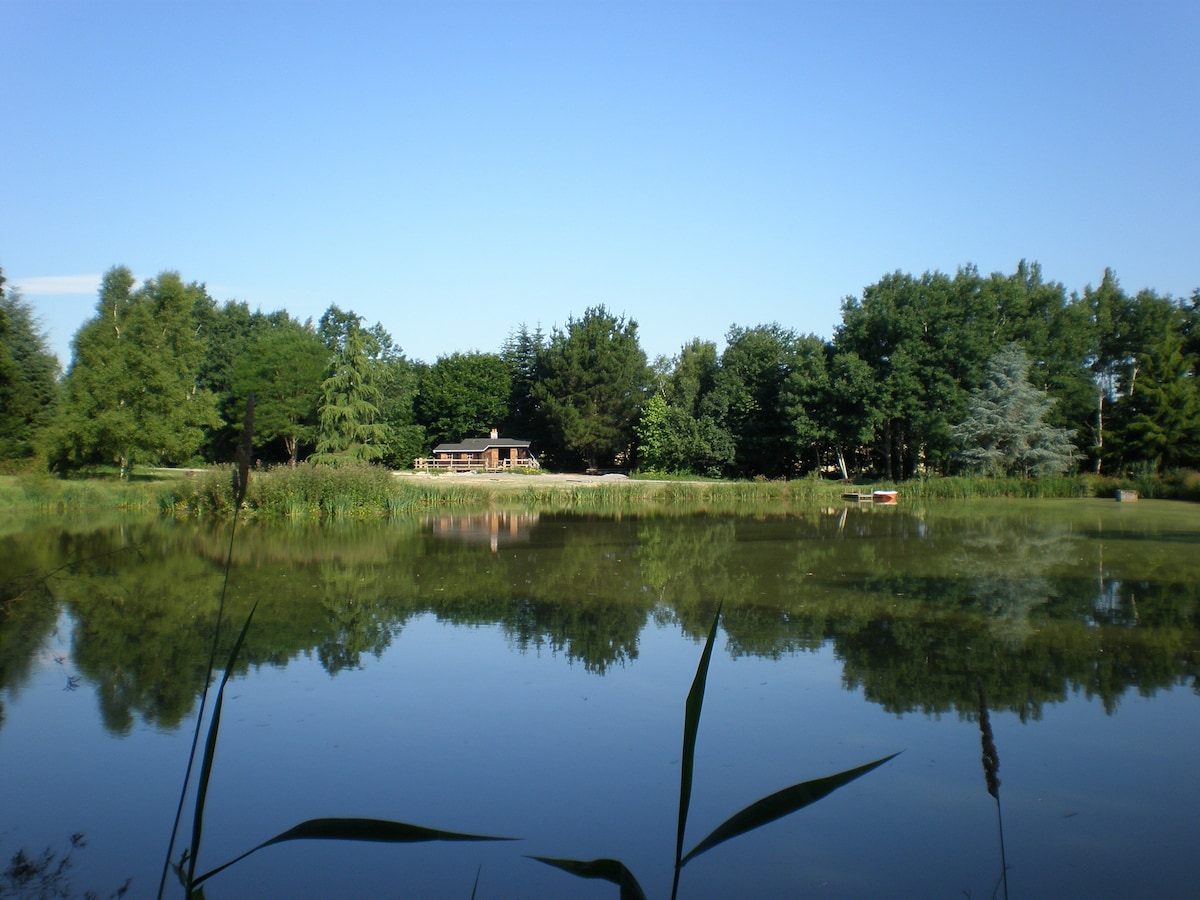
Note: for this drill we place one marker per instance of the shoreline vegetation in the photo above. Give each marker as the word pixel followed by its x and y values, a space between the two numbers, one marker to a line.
pixel 930 376
pixel 310 492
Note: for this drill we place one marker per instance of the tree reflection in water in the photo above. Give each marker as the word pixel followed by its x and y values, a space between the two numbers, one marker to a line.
pixel 1032 602
pixel 916 605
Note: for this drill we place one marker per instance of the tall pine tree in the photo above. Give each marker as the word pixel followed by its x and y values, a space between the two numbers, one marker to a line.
pixel 351 428
pixel 594 377
pixel 28 377
pixel 1162 411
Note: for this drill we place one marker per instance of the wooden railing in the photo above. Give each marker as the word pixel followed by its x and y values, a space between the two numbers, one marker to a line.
pixel 425 464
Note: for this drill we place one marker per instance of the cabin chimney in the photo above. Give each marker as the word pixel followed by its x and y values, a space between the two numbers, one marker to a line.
pixel 495 433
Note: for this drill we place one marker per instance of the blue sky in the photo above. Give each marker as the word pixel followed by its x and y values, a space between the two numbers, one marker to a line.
pixel 455 169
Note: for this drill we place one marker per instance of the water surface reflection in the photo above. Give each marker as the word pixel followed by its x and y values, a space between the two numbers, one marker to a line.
pixel 525 675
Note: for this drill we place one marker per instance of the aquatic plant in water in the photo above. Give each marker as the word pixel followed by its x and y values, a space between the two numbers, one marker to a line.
pixel 757 814
pixel 991 775
pixel 761 812
pixel 342 829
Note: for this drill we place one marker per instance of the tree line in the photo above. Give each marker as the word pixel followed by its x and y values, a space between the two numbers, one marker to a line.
pixel 931 374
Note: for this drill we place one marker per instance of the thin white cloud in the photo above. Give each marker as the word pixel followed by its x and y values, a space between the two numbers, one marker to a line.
pixel 59 284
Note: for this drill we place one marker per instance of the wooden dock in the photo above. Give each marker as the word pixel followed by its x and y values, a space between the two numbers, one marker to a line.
pixel 888 497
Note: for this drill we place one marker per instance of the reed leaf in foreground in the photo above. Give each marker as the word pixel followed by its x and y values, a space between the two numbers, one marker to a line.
pixel 691 726
pixel 761 812
pixel 605 869
pixel 327 829
pixel 210 750
pixel 242 475
pixel 368 830
pixel 341 829
pixel 780 804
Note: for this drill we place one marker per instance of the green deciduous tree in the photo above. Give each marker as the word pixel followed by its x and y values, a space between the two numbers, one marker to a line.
pixel 399 384
pixel 464 395
pixel 805 400
pixel 903 330
pixel 680 430
pixel 1005 432
pixel 229 331
pixel 750 384
pixel 854 413
pixel 593 379
pixel 773 386
pixel 925 343
pixel 132 392
pixel 656 444
pixel 284 365
pixel 28 377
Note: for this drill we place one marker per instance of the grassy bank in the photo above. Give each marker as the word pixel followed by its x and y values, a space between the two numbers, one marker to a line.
pixel 46 493
pixel 316 492
pixel 1181 485
pixel 367 492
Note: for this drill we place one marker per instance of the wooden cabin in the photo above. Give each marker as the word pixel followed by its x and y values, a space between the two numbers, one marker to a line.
pixel 489 454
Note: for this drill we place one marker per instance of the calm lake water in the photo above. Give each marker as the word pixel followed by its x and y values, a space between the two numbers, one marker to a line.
pixel 525 676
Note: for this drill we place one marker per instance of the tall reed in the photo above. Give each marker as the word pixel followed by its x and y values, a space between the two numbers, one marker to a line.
pixel 337 828
pixel 761 812
pixel 982 487
pixel 241 478
pixel 991 774
pixel 312 491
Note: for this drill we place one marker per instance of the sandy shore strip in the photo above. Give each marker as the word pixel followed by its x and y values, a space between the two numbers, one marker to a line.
pixel 511 480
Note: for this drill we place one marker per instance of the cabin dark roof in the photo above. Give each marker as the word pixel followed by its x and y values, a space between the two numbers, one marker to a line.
pixel 478 445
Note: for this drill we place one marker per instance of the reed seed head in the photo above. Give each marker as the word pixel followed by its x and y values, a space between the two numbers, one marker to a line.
pixel 244 451
pixel 991 758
